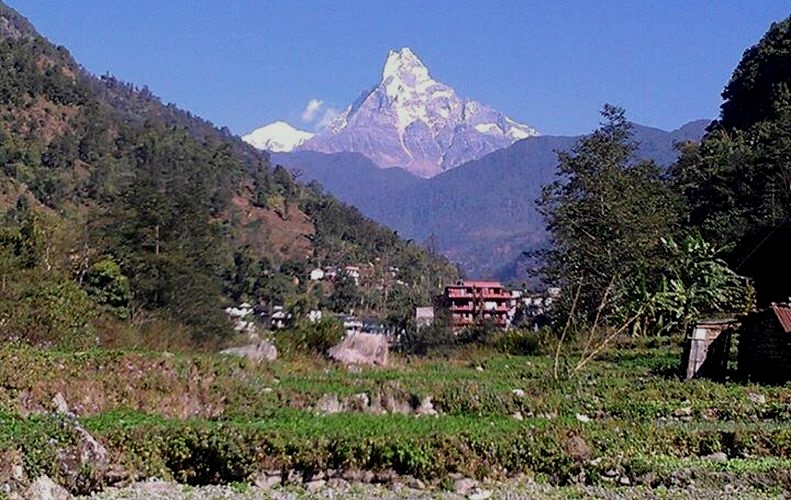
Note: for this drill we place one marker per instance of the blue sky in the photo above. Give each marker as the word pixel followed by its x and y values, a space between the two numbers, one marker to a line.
pixel 550 64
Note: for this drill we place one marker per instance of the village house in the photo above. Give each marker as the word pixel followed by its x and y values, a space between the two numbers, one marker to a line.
pixel 353 272
pixel 424 316
pixel 765 345
pixel 471 301
pixel 330 273
pixel 707 348
pixel 316 274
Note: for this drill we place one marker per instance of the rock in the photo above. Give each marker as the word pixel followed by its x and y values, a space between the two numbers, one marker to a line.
pixel 624 481
pixel 577 448
pixel 518 393
pixel 481 495
pixel 257 352
pixel 266 481
pixel 683 412
pixel 757 398
pixel 464 486
pixel 294 477
pixel 91 451
pixel 337 483
pixel 517 416
pixel 362 349
pixel 426 407
pixel 59 403
pixel 45 488
pixel 83 464
pixel 357 402
pixel 12 469
pixel 479 368
pixel 583 418
pixel 329 403
pixel 415 484
pixel 718 456
pixel 314 486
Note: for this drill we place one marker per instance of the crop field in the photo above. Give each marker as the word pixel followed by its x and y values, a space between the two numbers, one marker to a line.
pixel 627 421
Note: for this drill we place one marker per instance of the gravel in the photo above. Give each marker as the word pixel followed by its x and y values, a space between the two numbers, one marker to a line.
pixel 162 490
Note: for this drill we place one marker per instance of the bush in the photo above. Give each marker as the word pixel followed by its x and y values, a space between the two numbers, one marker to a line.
pixel 55 311
pixel 519 342
pixel 436 339
pixel 310 338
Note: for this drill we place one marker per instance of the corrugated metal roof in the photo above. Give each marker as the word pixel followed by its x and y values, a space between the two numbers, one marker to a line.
pixel 783 313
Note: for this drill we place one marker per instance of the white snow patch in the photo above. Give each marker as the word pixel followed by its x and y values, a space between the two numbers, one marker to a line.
pixel 277 137
pixel 488 128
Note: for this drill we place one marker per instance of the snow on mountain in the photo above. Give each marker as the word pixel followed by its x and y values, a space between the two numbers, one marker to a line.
pixel 278 137
pixel 412 121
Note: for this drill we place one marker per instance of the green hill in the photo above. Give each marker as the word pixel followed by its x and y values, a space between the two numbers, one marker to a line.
pixel 124 216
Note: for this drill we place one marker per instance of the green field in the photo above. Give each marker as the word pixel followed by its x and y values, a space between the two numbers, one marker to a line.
pixel 208 419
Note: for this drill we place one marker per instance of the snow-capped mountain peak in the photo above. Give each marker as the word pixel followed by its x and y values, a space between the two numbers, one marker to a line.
pixel 412 121
pixel 404 67
pixel 278 137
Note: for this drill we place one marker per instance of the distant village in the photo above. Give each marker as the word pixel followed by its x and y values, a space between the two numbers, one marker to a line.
pixel 460 305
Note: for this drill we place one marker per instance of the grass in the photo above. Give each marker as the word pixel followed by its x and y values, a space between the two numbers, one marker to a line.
pixel 212 419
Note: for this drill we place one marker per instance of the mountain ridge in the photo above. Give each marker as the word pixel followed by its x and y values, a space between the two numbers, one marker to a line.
pixel 481 214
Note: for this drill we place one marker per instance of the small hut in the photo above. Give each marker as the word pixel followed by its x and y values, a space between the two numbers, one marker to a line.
pixel 765 345
pixel 706 351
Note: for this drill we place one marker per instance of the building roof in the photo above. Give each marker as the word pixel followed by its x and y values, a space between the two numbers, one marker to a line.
pixel 477 284
pixel 783 313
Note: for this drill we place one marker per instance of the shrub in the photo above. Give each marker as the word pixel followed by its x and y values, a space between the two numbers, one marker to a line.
pixel 436 339
pixel 519 342
pixel 310 338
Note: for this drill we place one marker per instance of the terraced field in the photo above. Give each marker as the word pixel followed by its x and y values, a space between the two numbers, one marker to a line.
pixel 627 423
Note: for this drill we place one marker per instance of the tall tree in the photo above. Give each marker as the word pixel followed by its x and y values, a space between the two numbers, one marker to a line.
pixel 737 182
pixel 606 215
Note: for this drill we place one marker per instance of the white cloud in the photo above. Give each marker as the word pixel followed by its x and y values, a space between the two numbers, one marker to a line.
pixel 311 109
pixel 330 114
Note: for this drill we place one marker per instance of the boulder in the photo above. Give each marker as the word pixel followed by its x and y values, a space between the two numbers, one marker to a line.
pixel 464 486
pixel 426 407
pixel 329 403
pixel 257 351
pixel 45 488
pixel 362 349
pixel 577 448
pixel 84 463
pixel 59 404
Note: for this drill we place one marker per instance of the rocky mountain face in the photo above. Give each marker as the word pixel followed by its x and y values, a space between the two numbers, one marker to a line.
pixel 481 214
pixel 411 121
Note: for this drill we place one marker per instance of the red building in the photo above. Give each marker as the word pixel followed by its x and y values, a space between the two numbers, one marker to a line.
pixel 471 301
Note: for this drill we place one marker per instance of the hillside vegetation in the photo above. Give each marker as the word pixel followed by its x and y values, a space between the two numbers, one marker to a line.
pixel 123 215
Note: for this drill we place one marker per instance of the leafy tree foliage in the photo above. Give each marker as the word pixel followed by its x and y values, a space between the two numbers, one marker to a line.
pixel 107 286
pixel 696 283
pixel 606 216
pixel 737 182
pixel 760 88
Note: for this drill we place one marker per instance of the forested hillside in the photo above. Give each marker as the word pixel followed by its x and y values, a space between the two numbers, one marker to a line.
pixel 123 216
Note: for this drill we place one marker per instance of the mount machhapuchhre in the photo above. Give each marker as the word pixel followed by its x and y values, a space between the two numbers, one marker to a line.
pixel 412 154
pixel 407 120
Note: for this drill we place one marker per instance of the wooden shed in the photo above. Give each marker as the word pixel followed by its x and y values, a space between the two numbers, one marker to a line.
pixel 707 347
pixel 765 345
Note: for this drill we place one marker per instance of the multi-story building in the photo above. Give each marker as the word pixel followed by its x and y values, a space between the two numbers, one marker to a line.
pixel 471 301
